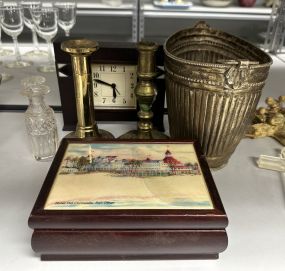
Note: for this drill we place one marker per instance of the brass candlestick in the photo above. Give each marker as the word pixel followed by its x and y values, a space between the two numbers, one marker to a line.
pixel 80 51
pixel 146 92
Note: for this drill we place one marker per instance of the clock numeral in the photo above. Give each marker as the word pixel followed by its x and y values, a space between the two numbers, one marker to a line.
pixel 132 75
pixel 113 68
pixel 124 69
pixel 132 95
pixel 104 100
pixel 96 93
pixel 96 75
pixel 94 84
pixel 124 101
pixel 132 85
pixel 102 68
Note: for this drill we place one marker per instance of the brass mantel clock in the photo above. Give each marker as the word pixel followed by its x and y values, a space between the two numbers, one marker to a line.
pixel 114 77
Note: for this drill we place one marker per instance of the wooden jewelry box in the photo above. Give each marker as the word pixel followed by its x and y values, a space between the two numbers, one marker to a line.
pixel 122 200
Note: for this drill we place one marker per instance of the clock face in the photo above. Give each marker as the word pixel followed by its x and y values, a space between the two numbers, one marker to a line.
pixel 114 85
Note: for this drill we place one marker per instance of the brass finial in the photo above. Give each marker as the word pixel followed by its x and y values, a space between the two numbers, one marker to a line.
pixel 80 51
pixel 270 120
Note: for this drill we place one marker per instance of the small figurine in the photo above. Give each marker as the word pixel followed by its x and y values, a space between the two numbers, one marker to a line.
pixel 269 121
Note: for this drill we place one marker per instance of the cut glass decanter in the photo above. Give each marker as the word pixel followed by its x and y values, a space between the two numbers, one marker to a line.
pixel 39 118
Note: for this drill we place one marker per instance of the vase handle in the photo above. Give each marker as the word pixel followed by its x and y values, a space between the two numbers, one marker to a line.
pixel 237 75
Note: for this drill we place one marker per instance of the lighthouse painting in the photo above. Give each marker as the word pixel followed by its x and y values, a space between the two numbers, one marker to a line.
pixel 129 176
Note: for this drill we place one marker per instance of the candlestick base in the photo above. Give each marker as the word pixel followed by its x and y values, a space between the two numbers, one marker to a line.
pixel 102 134
pixel 137 134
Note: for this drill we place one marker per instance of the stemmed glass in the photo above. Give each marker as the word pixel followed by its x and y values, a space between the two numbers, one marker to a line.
pixel 66 16
pixel 45 20
pixel 12 24
pixel 28 7
pixel 3 52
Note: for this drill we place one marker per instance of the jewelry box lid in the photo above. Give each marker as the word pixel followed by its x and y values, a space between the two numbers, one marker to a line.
pixel 95 184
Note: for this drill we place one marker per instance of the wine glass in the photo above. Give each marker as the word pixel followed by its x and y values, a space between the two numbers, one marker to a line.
pixel 66 16
pixel 45 20
pixel 3 52
pixel 12 24
pixel 28 7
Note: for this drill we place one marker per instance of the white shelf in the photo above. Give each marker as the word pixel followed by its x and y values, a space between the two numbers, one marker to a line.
pixel 117 13
pixel 198 12
pixel 86 5
pixel 100 9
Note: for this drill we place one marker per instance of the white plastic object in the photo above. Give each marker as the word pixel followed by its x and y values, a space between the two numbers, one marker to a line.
pixel 272 162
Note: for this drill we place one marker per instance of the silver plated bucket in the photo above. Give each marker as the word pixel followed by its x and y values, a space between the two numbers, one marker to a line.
pixel 213 84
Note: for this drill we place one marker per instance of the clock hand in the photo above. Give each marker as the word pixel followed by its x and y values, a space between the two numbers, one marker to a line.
pixel 117 91
pixel 107 84
pixel 114 95
pixel 104 83
pixel 113 86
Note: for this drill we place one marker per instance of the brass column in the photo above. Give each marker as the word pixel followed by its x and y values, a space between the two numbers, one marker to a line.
pixel 146 92
pixel 80 51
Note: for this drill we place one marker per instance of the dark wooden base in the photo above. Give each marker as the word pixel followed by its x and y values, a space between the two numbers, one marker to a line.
pixel 128 244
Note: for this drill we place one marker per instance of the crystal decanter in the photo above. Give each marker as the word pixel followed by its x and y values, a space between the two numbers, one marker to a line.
pixel 39 119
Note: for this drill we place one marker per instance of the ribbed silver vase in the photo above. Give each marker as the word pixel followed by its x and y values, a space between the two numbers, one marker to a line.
pixel 213 84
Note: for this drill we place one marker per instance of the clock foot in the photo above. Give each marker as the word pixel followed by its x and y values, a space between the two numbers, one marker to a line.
pixel 136 134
